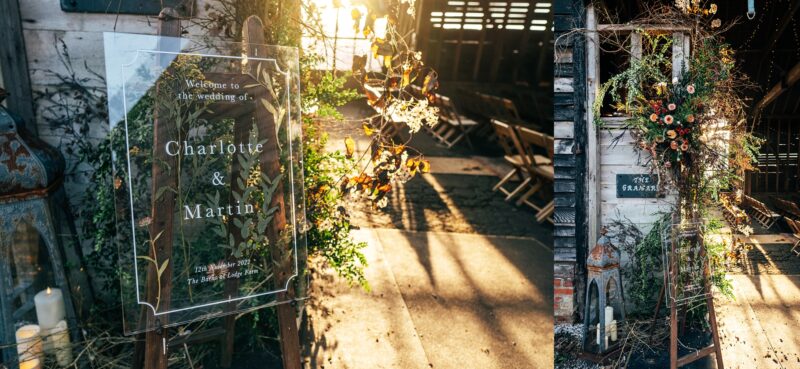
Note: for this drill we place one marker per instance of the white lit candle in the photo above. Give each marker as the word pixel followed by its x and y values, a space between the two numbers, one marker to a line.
pixel 59 339
pixel 609 315
pixel 31 364
pixel 49 308
pixel 29 342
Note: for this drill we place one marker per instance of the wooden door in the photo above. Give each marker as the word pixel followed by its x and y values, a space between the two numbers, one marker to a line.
pixel 613 161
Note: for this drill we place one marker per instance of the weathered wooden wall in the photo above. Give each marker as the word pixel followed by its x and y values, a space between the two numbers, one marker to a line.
pixel 569 111
pixel 45 27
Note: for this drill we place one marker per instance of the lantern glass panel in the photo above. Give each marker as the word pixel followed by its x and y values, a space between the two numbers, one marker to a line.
pixel 30 269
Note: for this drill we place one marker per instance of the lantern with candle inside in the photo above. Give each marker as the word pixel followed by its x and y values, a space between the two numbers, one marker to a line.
pixel 37 238
pixel 605 305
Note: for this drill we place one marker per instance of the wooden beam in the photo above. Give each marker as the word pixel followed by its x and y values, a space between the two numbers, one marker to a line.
pixel 634 27
pixel 791 78
pixel 14 62
pixel 787 18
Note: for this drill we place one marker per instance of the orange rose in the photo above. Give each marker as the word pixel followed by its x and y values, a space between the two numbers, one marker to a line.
pixel 673 145
pixel 690 118
pixel 653 117
pixel 671 134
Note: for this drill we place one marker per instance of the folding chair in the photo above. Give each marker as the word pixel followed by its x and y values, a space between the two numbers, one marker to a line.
pixel 455 127
pixel 540 168
pixel 508 140
pixel 760 212
pixel 794 226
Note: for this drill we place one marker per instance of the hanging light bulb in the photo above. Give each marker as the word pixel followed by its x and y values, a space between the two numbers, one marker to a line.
pixel 751 9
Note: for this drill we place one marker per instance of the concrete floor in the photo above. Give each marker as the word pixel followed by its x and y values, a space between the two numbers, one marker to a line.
pixel 439 300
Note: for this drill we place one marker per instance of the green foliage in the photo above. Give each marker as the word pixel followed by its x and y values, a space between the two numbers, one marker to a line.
pixel 643 273
pixel 329 232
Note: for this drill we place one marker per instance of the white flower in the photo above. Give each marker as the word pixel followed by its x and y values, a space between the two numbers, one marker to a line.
pixel 414 113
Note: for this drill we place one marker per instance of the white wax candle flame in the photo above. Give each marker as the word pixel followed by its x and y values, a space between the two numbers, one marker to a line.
pixel 48 290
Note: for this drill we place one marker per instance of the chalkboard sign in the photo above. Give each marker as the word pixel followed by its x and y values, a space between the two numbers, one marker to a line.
pixel 637 186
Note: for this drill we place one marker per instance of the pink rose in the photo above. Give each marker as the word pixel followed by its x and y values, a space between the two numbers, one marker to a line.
pixel 671 107
pixel 690 89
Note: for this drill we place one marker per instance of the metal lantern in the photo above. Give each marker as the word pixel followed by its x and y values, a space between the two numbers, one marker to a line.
pixel 36 288
pixel 605 305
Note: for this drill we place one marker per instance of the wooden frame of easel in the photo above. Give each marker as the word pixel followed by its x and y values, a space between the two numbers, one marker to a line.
pixel 151 353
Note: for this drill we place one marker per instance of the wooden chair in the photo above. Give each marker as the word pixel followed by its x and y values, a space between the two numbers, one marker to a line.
pixel 453 126
pixel 760 212
pixel 539 167
pixel 508 140
pixel 787 207
pixel 794 226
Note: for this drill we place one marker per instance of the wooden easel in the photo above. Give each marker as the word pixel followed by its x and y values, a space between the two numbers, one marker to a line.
pixel 155 345
pixel 714 349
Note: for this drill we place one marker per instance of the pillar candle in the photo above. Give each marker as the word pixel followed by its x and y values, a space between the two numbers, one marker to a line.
pixel 59 338
pixel 609 315
pixel 598 334
pixel 31 364
pixel 613 329
pixel 29 342
pixel 49 308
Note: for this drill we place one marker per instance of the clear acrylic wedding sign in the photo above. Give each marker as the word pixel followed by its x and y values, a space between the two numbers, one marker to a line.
pixel 207 176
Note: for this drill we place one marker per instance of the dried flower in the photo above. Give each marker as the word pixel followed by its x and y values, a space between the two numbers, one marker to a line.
pixel 668 165
pixel 144 222
pixel 716 23
pixel 659 139
pixel 671 134
pixel 713 8
pixel 668 119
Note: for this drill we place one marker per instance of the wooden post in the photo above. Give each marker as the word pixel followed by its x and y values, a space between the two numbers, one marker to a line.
pixel 155 342
pixel 14 64
pixel 253 36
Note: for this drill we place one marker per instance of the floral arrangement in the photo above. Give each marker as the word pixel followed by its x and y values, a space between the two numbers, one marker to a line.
pixel 693 127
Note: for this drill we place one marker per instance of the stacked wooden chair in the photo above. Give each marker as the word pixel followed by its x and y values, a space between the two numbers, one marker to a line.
pixel 788 208
pixel 794 226
pixel 522 147
pixel 540 167
pixel 453 126
pixel 760 212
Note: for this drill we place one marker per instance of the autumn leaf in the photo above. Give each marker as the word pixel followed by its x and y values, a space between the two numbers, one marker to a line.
pixel 385 188
pixel 430 83
pixel 367 129
pixel 425 166
pixel 406 75
pixel 359 63
pixel 350 146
